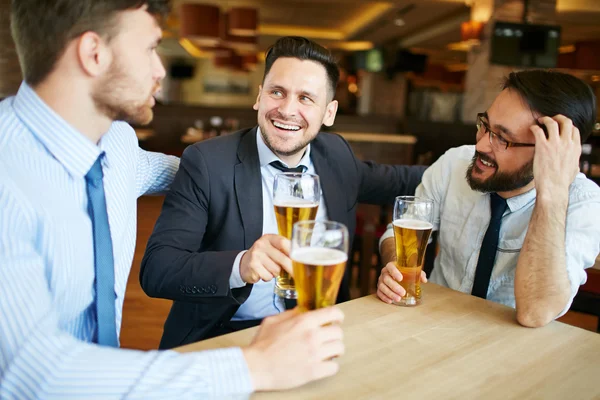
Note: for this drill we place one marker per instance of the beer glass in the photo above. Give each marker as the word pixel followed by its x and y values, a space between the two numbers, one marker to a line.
pixel 412 228
pixel 296 198
pixel 319 254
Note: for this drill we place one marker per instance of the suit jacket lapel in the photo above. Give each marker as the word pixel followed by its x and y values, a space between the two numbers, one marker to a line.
pixel 248 188
pixel 331 185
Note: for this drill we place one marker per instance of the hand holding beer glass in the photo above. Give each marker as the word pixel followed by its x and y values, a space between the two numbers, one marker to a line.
pixel 412 228
pixel 319 254
pixel 296 198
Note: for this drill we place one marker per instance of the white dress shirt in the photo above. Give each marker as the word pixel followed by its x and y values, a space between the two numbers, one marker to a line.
pixel 262 301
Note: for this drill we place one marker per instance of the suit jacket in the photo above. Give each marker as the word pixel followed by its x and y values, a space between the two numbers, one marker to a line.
pixel 214 210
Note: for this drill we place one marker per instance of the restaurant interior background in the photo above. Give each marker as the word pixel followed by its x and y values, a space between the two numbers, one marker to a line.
pixel 414 75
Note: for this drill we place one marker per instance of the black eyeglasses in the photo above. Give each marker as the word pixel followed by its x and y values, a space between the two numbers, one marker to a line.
pixel 497 141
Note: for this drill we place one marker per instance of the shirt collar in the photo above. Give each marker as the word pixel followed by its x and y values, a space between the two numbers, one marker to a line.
pixel 517 202
pixel 71 148
pixel 266 156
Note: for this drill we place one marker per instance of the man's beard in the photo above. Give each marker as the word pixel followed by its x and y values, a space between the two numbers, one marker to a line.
pixel 500 181
pixel 296 149
pixel 113 99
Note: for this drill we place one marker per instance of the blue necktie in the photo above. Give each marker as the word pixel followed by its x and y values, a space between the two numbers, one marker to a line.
pixel 489 247
pixel 103 258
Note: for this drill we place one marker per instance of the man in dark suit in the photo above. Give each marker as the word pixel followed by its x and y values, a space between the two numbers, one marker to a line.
pixel 215 248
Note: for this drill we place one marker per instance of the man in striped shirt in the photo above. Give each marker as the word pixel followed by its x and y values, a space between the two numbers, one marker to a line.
pixel 88 65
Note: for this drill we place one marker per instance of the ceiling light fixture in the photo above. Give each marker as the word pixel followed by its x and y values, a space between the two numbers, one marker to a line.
pixel 242 21
pixel 200 23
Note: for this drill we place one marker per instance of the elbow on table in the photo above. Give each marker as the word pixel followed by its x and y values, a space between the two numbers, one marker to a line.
pixel 541 313
pixel 538 312
pixel 535 318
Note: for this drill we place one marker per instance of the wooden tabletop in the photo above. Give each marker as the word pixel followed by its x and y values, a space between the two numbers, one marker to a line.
pixel 452 346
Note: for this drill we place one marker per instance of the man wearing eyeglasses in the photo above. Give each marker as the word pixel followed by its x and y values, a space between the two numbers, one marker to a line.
pixel 518 224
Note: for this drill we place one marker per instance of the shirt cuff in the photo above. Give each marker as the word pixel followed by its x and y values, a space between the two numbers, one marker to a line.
pixel 389 233
pixel 228 373
pixel 235 279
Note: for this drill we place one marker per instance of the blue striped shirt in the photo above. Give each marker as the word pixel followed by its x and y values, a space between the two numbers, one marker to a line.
pixel 47 266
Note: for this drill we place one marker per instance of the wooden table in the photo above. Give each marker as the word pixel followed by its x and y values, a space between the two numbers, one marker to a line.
pixel 452 346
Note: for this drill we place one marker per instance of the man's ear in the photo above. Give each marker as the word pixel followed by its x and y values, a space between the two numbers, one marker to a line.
pixel 330 113
pixel 92 53
pixel 255 106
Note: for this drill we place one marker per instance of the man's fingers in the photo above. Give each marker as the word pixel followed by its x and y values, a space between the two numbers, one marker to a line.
pixel 391 269
pixel 551 127
pixel 423 277
pixel 331 349
pixel 388 293
pixel 331 333
pixel 538 133
pixel 323 316
pixel 270 265
pixel 281 259
pixel 251 276
pixel 280 243
pixel 393 285
pixel 566 127
pixel 576 136
pixel 264 274
pixel 383 297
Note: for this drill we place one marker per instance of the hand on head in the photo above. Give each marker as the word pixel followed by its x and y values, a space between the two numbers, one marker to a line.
pixel 556 159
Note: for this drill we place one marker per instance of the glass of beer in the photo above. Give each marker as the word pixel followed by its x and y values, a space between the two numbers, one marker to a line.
pixel 319 254
pixel 412 228
pixel 296 198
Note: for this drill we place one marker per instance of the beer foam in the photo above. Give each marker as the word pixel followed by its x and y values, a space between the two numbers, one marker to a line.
pixel 413 224
pixel 319 256
pixel 294 202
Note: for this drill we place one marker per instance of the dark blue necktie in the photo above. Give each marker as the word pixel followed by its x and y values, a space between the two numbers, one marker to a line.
pixel 103 258
pixel 280 166
pixel 489 247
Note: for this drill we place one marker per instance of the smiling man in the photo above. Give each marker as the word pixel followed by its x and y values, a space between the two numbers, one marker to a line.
pixel 215 249
pixel 524 224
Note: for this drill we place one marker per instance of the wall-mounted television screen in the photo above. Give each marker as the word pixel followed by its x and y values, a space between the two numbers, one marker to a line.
pixel 524 45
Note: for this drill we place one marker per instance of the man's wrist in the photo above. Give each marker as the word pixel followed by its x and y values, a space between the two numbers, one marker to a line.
pixel 388 250
pixel 254 362
pixel 552 198
pixel 235 279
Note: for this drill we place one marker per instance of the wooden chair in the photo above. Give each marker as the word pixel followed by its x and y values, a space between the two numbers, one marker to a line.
pixel 587 299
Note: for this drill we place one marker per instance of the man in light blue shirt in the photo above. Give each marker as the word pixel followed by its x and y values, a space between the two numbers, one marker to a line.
pixel 87 65
pixel 526 159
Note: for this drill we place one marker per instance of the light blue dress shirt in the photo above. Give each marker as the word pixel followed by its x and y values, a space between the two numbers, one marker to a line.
pixel 462 215
pixel 47 266
pixel 262 301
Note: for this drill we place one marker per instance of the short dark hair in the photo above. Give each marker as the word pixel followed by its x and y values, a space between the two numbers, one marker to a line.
pixel 304 49
pixel 550 92
pixel 42 29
